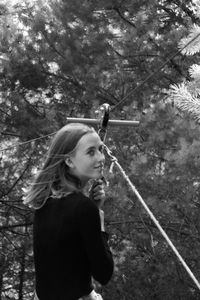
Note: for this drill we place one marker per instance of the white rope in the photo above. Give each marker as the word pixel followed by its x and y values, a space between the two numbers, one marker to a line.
pixel 115 161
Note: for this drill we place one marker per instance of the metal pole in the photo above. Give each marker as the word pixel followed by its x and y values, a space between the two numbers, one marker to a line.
pixel 110 122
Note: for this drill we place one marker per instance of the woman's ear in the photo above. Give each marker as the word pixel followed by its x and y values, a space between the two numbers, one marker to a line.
pixel 69 162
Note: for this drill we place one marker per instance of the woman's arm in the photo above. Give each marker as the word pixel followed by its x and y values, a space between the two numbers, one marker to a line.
pixel 95 241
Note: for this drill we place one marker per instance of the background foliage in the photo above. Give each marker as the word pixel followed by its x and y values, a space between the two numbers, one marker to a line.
pixel 64 59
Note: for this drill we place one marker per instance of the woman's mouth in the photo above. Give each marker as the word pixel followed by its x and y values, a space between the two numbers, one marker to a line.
pixel 101 167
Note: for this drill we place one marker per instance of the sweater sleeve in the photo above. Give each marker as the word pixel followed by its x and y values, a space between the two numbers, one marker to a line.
pixel 95 242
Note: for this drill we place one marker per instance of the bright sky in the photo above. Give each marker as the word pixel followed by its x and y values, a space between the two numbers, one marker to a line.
pixel 10 2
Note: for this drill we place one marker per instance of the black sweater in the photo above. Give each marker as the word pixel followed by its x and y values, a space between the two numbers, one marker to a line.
pixel 69 248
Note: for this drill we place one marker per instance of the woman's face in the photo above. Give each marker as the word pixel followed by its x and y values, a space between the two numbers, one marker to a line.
pixel 88 160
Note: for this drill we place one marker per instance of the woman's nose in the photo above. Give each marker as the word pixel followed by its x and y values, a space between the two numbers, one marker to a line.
pixel 101 157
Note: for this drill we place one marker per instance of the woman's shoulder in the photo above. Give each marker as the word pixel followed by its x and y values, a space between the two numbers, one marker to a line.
pixel 75 202
pixel 85 204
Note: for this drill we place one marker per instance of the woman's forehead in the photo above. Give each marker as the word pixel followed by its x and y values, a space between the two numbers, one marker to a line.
pixel 88 140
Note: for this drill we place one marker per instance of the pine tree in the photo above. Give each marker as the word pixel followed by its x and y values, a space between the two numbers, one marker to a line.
pixel 185 95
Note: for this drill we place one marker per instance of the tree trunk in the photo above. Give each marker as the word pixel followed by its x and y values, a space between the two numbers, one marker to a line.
pixel 22 272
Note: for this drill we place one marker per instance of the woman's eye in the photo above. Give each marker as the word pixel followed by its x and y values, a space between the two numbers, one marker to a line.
pixel 91 152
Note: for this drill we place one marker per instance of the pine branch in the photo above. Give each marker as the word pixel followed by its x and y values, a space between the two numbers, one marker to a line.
pixel 177 67
pixel 135 55
pixel 71 80
pixel 4 112
pixel 7 227
pixel 172 14
pixel 108 95
pixel 166 227
pixel 185 101
pixel 32 107
pixel 187 11
pixel 194 72
pixel 52 46
pixel 122 17
pixel 193 41
pixel 20 176
pixel 10 134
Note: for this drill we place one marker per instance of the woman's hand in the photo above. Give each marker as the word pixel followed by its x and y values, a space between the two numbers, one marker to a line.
pixel 97 193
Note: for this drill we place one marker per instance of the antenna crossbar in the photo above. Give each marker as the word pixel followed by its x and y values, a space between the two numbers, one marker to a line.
pixel 110 122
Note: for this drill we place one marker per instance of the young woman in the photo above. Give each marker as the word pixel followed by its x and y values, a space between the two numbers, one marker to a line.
pixel 69 238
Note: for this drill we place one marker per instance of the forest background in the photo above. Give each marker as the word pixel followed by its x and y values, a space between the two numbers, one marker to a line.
pixel 62 59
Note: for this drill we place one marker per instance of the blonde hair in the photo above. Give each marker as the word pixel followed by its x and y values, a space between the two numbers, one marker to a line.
pixel 54 178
